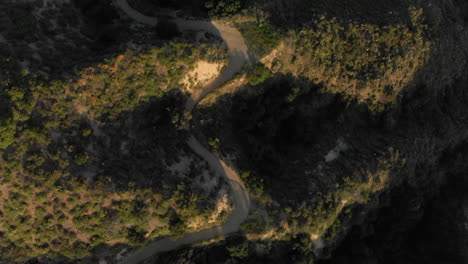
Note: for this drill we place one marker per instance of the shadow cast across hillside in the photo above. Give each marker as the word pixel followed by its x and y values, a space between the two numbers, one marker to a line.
pixel 55 40
pixel 294 14
pixel 52 38
pixel 131 143
pixel 418 224
pixel 284 127
pixel 286 133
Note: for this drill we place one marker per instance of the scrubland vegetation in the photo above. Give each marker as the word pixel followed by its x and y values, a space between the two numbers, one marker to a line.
pixel 52 134
pixel 97 158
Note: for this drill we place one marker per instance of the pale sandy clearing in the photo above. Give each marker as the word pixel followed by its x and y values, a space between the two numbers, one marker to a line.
pixel 203 72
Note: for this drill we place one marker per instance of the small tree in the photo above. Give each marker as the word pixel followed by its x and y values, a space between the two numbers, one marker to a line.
pixel 135 235
pixel 177 228
pixel 81 158
pixel 239 250
pixel 223 7
pixel 7 132
pixel 214 143
pixel 258 74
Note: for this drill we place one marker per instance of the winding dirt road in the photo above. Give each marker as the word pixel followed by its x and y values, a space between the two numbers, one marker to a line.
pixel 238 57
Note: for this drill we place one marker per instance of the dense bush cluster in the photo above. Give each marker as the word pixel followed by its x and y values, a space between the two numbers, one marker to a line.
pixel 258 74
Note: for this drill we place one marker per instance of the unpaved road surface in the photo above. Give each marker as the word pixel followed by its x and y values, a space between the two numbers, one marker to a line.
pixel 238 57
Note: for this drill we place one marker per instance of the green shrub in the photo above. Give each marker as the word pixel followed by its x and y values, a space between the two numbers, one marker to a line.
pixel 135 235
pixel 86 132
pixel 7 132
pixel 222 7
pixel 239 250
pixel 177 228
pixel 261 38
pixel 252 227
pixel 214 143
pixel 40 212
pixel 81 158
pixel 253 183
pixel 258 74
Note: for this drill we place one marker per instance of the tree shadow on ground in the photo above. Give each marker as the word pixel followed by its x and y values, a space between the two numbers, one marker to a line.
pixel 136 139
pixel 285 127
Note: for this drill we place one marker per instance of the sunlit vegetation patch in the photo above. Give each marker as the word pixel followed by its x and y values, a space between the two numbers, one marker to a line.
pixel 362 61
pixel 258 74
pixel 39 218
pixel 130 79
